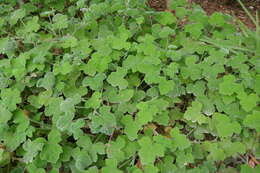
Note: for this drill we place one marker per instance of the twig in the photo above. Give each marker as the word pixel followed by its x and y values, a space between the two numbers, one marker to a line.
pixel 254 159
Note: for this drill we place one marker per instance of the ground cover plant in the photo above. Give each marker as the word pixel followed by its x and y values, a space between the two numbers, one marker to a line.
pixel 113 86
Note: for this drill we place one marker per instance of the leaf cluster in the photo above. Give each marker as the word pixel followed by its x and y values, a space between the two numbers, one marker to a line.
pixel 112 86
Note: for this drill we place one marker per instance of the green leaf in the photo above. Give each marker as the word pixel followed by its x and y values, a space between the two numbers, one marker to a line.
pixel 47 82
pixel 148 47
pixel 114 149
pixel 119 42
pixel 183 158
pixel 172 69
pixel 21 130
pixel 94 101
pixel 147 157
pixel 165 32
pixel 104 122
pixel 32 149
pixel 95 83
pixel 83 161
pixel 5 114
pixel 75 128
pixel 16 15
pixel 192 69
pixel 233 148
pixel 248 102
pixel 257 84
pixel 69 42
pixel 64 121
pixel 52 150
pixel 131 61
pixel 117 78
pixel 217 19
pixel 195 29
pixel 165 86
pixel 60 21
pixel 54 108
pixel 225 127
pixel 19 66
pixel 229 85
pixel 33 168
pixel 216 153
pixel 111 166
pixel 67 106
pixel 253 121
pixel 166 164
pixel 63 68
pixel 4 158
pixel 162 119
pixel 247 169
pixel 10 98
pixel 131 127
pixel 125 95
pixel 150 169
pixel 82 47
pixel 165 18
pixel 198 89
pixel 146 113
pixel 32 25
pixel 179 140
pixel 194 114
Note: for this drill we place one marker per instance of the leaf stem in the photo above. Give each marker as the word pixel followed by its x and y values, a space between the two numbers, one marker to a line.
pixel 127 161
pixel 41 124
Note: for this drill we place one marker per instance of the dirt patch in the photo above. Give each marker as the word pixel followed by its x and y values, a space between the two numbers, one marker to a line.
pixel 158 5
pixel 231 7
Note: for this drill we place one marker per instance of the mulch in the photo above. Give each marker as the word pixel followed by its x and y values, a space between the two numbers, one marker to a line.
pixel 231 7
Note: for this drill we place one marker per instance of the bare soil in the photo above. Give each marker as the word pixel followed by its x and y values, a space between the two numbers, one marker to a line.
pixel 231 7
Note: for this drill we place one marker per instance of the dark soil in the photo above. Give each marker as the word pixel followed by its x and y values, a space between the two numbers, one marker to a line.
pixel 158 5
pixel 231 7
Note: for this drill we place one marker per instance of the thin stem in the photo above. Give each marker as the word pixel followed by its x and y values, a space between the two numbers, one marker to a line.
pixel 41 124
pixel 36 122
pixel 247 12
pixel 84 118
pixel 81 107
pixel 192 130
pixel 126 161
pixel 242 158
pixel 226 46
pixel 98 137
pixel 18 159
